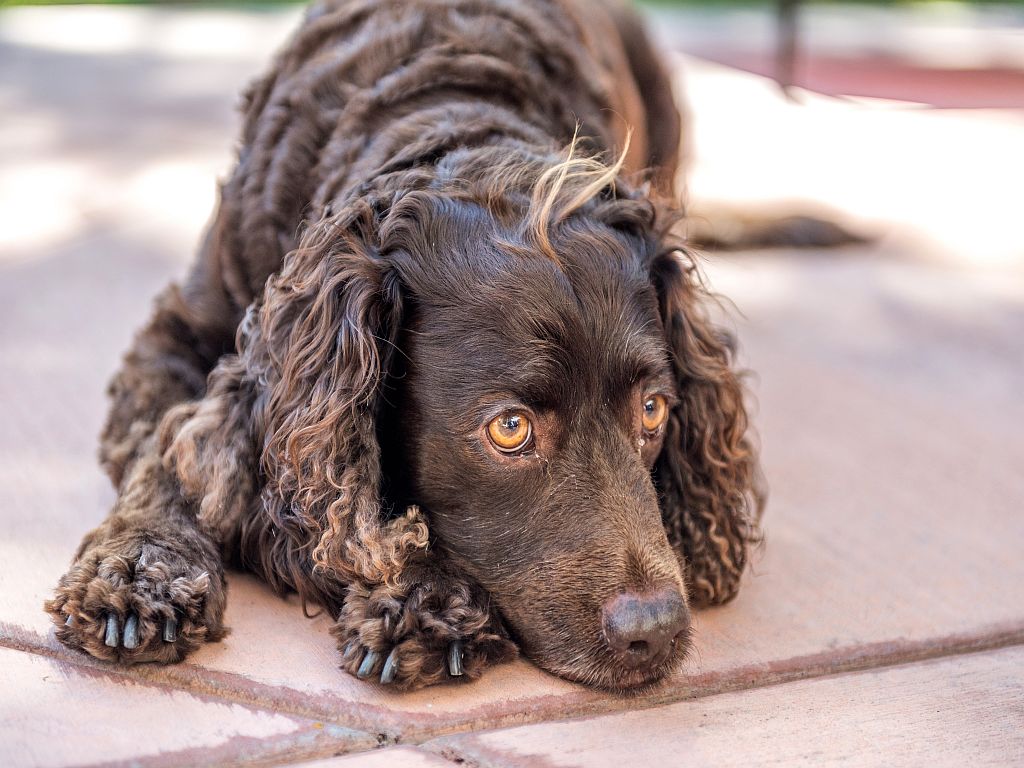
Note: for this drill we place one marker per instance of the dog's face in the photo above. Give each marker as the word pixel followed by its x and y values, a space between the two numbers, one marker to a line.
pixel 533 368
pixel 529 406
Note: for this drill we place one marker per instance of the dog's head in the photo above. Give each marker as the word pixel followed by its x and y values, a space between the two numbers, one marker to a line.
pixel 515 345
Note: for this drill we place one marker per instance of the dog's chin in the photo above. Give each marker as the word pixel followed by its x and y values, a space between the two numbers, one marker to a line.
pixel 601 671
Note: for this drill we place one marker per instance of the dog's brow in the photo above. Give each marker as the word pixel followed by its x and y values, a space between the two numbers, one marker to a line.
pixel 536 382
pixel 550 371
pixel 646 356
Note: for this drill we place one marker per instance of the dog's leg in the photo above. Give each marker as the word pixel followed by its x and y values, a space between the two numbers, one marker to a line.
pixel 192 326
pixel 168 363
pixel 431 626
pixel 148 583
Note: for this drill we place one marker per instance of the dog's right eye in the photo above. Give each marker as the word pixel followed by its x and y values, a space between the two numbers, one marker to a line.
pixel 510 432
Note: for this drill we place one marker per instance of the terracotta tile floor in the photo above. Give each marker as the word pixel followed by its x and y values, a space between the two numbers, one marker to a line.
pixel 883 619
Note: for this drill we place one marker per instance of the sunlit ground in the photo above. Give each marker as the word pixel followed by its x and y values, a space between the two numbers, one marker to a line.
pixel 948 180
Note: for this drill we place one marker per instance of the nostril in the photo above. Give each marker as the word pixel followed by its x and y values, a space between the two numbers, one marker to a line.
pixel 642 627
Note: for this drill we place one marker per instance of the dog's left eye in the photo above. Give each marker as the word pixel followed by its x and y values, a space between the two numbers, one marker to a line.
pixel 510 432
pixel 655 411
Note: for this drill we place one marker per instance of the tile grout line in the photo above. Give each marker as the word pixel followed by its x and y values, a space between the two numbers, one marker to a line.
pixel 272 751
pixel 447 747
pixel 187 678
pixel 390 731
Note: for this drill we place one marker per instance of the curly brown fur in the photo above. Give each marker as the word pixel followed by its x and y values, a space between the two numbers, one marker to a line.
pixel 712 497
pixel 403 246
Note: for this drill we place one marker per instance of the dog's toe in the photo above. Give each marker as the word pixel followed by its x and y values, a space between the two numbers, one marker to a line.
pixel 455 659
pixel 130 636
pixel 368 664
pixel 112 636
pixel 390 670
pixel 170 633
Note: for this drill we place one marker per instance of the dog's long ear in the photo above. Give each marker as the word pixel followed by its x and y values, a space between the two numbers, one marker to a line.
pixel 707 474
pixel 328 327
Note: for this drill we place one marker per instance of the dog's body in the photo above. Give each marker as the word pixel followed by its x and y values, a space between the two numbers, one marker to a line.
pixel 338 412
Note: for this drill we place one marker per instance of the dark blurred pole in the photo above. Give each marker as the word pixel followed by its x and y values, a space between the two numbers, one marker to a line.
pixel 786 48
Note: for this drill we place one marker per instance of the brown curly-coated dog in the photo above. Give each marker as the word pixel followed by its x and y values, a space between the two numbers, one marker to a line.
pixel 434 371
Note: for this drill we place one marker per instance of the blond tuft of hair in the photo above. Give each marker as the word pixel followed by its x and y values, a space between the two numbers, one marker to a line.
pixel 567 186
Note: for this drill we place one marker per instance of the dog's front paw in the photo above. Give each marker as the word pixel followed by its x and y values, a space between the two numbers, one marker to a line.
pixel 132 600
pixel 433 629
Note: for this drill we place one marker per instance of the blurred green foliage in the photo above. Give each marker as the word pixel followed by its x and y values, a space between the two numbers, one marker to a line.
pixel 762 3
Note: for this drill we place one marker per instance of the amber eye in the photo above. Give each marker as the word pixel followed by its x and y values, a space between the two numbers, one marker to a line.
pixel 510 432
pixel 655 412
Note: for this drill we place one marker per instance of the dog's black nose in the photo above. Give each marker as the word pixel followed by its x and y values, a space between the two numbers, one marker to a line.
pixel 642 627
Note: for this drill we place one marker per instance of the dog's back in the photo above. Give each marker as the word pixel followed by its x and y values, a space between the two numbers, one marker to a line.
pixel 367 85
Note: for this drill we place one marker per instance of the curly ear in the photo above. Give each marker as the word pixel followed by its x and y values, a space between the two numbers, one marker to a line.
pixel 326 330
pixel 707 474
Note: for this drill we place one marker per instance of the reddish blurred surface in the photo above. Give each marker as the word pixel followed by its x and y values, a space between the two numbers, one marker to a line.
pixel 892 78
pixel 945 54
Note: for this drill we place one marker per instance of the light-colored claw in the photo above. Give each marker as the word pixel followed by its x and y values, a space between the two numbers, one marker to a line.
pixel 131 632
pixel 369 662
pixel 387 675
pixel 347 650
pixel 112 636
pixel 170 630
pixel 455 658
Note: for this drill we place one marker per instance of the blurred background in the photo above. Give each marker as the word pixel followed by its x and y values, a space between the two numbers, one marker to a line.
pixel 902 117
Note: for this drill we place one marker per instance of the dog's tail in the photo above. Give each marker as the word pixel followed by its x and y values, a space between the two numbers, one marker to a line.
pixel 732 226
